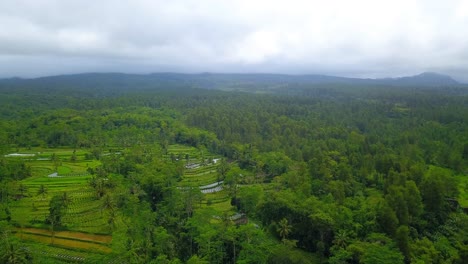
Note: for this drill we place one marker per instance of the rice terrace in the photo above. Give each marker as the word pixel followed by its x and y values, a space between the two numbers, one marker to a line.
pixel 87 223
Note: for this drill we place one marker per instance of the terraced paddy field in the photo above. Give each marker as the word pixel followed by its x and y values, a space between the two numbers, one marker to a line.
pixel 57 254
pixel 67 239
pixel 201 170
pixel 182 149
pixel 200 176
pixel 85 231
pixel 82 214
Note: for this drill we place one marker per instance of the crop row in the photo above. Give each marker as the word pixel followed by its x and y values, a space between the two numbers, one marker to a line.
pixel 56 252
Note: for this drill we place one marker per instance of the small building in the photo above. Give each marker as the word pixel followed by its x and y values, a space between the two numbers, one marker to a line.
pixel 240 219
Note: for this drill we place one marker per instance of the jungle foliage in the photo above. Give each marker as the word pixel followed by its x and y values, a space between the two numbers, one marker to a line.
pixel 325 174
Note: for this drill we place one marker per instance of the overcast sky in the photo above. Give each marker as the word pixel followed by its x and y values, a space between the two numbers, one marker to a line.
pixel 360 38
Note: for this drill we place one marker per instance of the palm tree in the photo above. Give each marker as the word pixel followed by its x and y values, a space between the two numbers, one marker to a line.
pixel 341 239
pixel 222 169
pixel 108 203
pixel 53 222
pixel 13 252
pixel 66 200
pixel 284 228
pixel 22 189
pixel 42 191
pixel 98 185
pixel 112 216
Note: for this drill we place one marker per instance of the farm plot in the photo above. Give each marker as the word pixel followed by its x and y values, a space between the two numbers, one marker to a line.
pixel 188 154
pixel 33 207
pixel 216 197
pixel 64 160
pixel 206 177
pixel 93 238
pixel 86 215
pixel 203 175
pixel 65 242
pixel 51 254
pixel 83 216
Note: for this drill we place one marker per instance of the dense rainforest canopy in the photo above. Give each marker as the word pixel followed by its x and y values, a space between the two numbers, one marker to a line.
pixel 326 173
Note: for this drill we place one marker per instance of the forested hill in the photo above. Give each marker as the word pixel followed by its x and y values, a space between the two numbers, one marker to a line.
pixel 117 168
pixel 280 83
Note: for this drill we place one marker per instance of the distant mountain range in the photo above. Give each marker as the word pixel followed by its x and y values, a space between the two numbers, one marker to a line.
pixel 423 79
pixel 121 81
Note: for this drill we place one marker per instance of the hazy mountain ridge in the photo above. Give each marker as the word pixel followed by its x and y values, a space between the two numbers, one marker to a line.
pixel 243 81
pixel 425 78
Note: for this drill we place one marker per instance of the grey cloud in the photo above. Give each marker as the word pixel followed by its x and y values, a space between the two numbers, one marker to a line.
pixel 355 38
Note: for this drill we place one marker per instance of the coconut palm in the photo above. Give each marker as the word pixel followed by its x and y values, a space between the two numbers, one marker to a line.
pixel 284 228
pixel 66 200
pixel 12 251
pixel 112 216
pixel 108 203
pixel 42 191
pixel 341 239
pixel 22 189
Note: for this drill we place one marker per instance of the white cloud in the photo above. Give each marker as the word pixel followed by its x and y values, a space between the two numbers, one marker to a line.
pixel 379 38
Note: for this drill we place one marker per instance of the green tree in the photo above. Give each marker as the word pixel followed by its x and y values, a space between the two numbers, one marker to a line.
pixel 414 201
pixel 99 185
pixel 56 161
pixel 375 253
pixel 341 239
pixel 284 229
pixel 22 189
pixel 403 241
pixel 12 251
pixel 387 219
pixel 196 260
pixel 108 203
pixel 66 199
pixel 73 157
pixel 250 197
pixel 255 247
pixel 222 169
pixel 231 181
pixel 436 187
pixel 423 251
pixel 397 201
pixel 42 191
pixel 57 206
